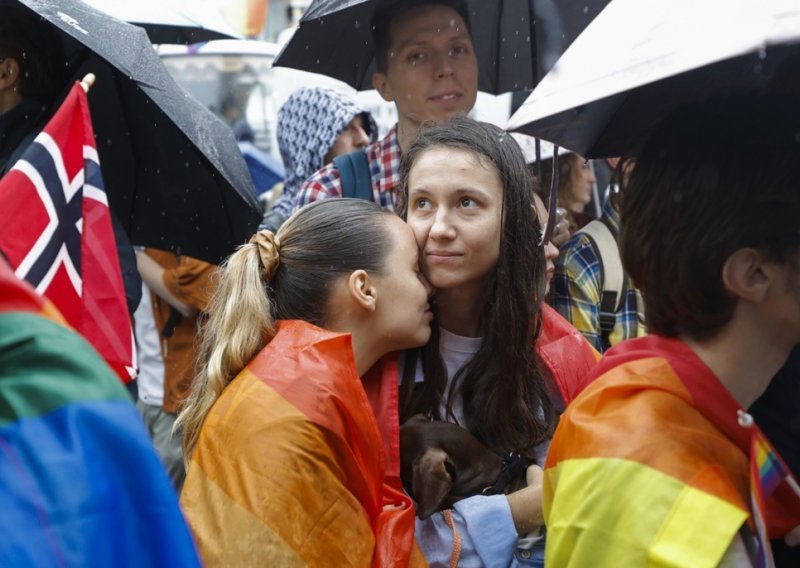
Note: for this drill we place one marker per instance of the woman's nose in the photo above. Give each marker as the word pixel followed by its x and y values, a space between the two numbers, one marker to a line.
pixel 550 251
pixel 360 138
pixel 441 227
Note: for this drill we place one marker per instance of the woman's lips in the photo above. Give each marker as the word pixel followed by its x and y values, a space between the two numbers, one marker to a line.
pixel 441 256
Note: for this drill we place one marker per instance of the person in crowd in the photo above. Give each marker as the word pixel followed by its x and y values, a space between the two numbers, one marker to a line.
pixel 80 484
pixel 176 291
pixel 679 472
pixel 575 184
pixel 293 444
pixel 550 249
pixel 32 80
pixel 542 193
pixel 315 125
pixel 487 367
pixel 426 66
pixel 590 288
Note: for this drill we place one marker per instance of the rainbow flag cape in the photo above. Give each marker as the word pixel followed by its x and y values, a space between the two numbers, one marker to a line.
pixel 656 464
pixel 80 483
pixel 292 467
pixel 565 352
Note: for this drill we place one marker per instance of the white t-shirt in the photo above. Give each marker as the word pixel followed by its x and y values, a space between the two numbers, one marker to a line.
pixel 456 351
pixel 148 351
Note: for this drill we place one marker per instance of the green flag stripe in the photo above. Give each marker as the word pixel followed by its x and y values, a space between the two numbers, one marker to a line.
pixel 44 366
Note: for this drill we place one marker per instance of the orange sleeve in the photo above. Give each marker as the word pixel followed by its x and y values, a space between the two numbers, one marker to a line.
pixel 191 280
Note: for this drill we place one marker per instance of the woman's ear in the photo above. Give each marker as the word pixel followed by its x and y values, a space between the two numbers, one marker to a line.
pixel 746 275
pixel 362 289
pixel 9 73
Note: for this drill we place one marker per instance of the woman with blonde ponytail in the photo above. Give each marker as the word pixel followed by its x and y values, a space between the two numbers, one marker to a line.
pixel 291 427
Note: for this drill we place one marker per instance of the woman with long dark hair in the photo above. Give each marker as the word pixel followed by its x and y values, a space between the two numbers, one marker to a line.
pixel 469 201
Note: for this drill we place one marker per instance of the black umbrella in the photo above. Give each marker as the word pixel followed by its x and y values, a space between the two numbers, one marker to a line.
pixel 334 39
pixel 610 90
pixel 173 172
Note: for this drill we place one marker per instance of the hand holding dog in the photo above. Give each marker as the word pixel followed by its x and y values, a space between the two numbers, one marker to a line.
pixel 526 504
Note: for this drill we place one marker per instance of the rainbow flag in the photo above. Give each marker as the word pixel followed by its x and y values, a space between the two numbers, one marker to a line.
pixel 651 465
pixel 767 476
pixel 565 353
pixel 80 483
pixel 293 468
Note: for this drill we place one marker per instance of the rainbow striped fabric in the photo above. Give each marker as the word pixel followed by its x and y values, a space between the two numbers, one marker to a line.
pixel 651 465
pixel 80 483
pixel 292 467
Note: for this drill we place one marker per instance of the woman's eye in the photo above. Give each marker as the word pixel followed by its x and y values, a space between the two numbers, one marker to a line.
pixel 416 56
pixel 458 50
pixel 466 202
pixel 421 203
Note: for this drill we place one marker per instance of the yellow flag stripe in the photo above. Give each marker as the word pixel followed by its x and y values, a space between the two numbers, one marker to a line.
pixel 607 512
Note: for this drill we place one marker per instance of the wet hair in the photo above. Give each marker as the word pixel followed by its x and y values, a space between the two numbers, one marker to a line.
pixel 37 49
pixel 387 11
pixel 318 245
pixel 711 180
pixel 506 403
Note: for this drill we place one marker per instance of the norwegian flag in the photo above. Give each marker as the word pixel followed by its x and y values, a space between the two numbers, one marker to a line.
pixel 55 231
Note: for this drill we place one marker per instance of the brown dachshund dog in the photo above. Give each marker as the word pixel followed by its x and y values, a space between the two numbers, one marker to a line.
pixel 441 463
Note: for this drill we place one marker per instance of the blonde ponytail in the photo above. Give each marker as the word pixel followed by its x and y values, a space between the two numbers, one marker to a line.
pixel 238 326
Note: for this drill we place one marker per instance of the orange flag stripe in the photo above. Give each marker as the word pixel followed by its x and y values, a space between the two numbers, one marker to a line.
pixel 270 504
pixel 611 421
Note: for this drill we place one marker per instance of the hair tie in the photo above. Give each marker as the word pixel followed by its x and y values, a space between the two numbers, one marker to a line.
pixel 269 247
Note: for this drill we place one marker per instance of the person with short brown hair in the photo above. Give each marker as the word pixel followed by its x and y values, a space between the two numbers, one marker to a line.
pixel 678 469
pixel 426 66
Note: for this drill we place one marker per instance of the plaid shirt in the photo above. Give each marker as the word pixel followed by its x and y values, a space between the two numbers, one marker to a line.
pixel 384 165
pixel 577 289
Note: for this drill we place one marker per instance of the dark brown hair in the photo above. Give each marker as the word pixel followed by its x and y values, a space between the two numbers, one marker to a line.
pixel 505 398
pixel 713 179
pixel 385 13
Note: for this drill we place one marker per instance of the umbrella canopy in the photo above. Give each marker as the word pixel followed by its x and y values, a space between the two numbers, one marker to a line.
pixel 334 39
pixel 168 22
pixel 611 88
pixel 173 172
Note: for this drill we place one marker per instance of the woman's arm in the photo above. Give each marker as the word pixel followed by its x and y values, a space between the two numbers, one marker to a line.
pixel 488 526
pixel 526 504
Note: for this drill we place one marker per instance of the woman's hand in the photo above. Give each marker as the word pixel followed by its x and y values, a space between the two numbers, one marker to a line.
pixel 526 504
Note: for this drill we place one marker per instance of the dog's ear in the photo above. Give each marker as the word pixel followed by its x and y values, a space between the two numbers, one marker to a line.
pixel 432 480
